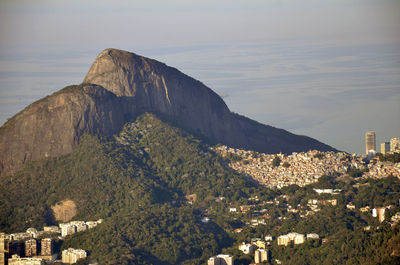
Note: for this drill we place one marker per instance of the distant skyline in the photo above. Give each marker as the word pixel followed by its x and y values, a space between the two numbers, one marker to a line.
pixel 326 69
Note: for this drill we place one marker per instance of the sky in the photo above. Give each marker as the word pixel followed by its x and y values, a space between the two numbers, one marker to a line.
pixel 326 69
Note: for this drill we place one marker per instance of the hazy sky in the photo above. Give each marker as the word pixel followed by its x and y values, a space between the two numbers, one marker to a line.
pixel 326 69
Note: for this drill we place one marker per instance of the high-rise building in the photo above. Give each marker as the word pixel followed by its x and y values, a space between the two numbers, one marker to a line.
pixel 30 248
pixel 260 255
pixel 3 258
pixel 67 229
pixel 381 214
pixel 385 147
pixel 3 248
pixel 394 144
pixel 3 242
pixel 46 247
pixel 71 256
pixel 17 247
pixel 370 143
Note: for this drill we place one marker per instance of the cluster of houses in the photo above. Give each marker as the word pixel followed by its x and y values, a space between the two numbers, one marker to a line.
pixel 35 247
pixel 379 169
pixel 77 226
pixel 303 168
pixel 259 247
pixel 69 256
pixel 296 238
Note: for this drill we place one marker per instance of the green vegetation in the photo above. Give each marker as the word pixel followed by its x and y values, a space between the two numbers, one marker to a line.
pixel 276 161
pixel 343 229
pixel 138 182
pixel 357 247
pixel 233 157
pixel 319 156
pixel 394 158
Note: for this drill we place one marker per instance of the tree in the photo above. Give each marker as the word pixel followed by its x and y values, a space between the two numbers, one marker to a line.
pixel 276 161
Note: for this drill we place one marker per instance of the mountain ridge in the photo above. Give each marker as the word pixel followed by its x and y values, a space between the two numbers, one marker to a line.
pixel 121 86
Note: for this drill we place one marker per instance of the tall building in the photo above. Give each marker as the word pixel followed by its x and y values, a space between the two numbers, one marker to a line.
pixel 394 144
pixel 46 248
pixel 3 258
pixel 380 213
pixel 370 143
pixel 67 229
pixel 17 247
pixel 3 248
pixel 71 256
pixel 260 255
pixel 385 147
pixel 30 248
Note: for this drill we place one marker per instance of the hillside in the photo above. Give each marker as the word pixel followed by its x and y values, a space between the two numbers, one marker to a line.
pixel 136 181
pixel 119 87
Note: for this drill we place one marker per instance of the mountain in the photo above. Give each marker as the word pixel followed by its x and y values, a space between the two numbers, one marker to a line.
pixel 137 182
pixel 120 86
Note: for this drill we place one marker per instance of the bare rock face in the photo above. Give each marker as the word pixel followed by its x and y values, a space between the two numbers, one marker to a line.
pixel 150 86
pixel 120 86
pixel 154 87
pixel 52 126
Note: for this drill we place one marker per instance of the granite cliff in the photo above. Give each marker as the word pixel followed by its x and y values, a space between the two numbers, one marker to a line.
pixel 120 86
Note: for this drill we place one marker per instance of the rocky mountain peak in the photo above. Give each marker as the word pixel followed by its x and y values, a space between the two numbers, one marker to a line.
pixel 120 71
pixel 120 86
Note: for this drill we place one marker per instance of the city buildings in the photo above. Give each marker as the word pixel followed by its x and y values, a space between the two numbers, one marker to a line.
pixel 394 144
pixel 46 247
pixel 385 147
pixel 294 237
pixel 77 226
pixel 247 248
pixel 36 247
pixel 305 168
pixel 380 213
pixel 260 255
pixel 283 240
pixel 17 260
pixel 30 248
pixel 370 142
pixel 71 255
pixel 4 248
pixel 51 229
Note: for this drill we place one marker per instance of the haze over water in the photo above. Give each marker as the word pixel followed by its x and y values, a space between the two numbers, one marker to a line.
pixel 326 69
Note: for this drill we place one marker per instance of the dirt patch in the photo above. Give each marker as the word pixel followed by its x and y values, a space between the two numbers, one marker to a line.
pixel 64 211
